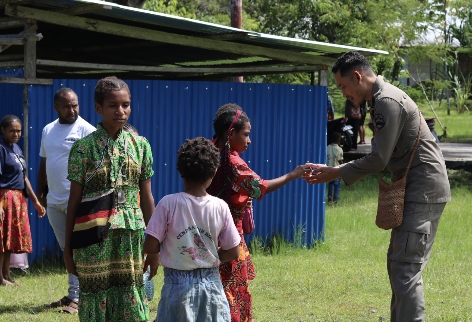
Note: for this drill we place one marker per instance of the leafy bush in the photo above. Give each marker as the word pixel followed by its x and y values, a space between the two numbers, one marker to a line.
pixel 462 93
pixel 415 93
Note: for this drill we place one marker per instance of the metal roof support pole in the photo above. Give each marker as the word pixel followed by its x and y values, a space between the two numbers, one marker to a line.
pixel 323 77
pixel 237 22
pixel 29 72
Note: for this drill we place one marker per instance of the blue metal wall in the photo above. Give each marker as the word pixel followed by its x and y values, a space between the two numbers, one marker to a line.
pixel 11 95
pixel 288 129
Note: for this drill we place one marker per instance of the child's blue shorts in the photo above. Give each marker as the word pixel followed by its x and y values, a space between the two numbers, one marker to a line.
pixel 191 296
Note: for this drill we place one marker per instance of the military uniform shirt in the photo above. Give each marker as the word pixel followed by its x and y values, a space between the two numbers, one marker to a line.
pixel 396 125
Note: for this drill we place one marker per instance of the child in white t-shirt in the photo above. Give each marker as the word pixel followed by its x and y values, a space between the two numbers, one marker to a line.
pixel 334 157
pixel 193 232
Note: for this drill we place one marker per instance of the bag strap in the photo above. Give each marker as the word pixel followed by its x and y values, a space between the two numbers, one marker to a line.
pixel 414 148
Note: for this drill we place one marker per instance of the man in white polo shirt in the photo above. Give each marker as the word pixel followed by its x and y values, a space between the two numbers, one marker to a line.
pixel 56 142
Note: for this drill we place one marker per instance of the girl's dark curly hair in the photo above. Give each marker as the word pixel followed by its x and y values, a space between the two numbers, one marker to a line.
pixel 107 85
pixel 221 184
pixel 198 159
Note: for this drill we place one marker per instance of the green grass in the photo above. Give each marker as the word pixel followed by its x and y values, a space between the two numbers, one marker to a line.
pixel 342 279
pixel 345 279
pixel 457 124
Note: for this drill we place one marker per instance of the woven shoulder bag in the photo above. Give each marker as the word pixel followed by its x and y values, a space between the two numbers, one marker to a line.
pixel 392 196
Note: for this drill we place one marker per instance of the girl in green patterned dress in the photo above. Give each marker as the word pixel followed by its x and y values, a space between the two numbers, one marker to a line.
pixel 111 272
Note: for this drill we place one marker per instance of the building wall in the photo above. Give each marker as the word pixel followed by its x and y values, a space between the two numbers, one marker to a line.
pixel 288 128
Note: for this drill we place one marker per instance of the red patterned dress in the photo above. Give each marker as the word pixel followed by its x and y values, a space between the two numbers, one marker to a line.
pixel 15 233
pixel 236 274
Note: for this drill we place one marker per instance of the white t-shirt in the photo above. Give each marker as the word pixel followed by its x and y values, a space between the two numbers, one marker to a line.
pixel 56 142
pixel 334 155
pixel 189 229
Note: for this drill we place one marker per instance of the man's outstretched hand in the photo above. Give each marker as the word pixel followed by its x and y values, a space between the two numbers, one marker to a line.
pixel 321 173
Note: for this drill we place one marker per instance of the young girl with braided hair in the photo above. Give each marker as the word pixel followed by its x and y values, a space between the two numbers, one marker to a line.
pixel 237 184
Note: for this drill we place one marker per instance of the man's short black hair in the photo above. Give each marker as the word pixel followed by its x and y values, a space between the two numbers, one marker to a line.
pixel 61 92
pixel 350 60
pixel 198 159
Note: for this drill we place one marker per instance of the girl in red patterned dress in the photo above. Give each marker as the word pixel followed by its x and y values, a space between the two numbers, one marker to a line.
pixel 237 184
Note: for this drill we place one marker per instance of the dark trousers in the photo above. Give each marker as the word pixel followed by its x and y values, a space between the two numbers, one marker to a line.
pixel 334 187
pixel 407 256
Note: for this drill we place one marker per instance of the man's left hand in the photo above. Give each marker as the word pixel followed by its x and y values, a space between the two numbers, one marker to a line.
pixel 322 173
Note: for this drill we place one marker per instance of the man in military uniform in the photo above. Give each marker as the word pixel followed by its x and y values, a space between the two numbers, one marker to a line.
pixel 396 124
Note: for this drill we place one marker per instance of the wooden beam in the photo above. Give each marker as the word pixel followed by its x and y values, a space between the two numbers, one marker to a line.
pixel 231 36
pixel 3 3
pixel 83 9
pixel 12 24
pixel 29 28
pixel 231 70
pixel 32 81
pixel 164 37
pixel 36 37
pixel 12 41
pixel 114 47
pixel 11 57
pixel 8 64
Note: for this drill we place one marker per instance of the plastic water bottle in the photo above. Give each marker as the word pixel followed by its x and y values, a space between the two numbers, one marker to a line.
pixel 148 285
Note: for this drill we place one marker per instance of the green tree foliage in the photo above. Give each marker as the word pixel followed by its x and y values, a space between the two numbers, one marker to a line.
pixel 214 11
pixel 396 26
pixel 460 27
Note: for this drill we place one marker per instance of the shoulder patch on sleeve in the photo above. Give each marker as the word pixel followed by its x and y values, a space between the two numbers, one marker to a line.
pixel 379 121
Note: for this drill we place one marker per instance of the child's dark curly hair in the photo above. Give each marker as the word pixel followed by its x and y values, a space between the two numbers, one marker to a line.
pixel 198 159
pixel 223 118
pixel 107 85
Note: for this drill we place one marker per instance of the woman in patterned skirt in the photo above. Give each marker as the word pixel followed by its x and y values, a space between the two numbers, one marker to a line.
pixel 237 184
pixel 15 234
pixel 111 159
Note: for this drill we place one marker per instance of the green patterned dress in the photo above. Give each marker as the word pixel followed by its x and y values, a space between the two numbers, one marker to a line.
pixel 110 273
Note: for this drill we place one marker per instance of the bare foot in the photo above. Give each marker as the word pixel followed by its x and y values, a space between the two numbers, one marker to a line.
pixel 11 280
pixel 8 283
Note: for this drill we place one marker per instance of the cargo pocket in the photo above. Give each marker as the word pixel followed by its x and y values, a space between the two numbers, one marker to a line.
pixel 409 246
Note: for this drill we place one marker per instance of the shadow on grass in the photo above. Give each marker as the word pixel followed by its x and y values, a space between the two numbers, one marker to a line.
pixel 22 308
pixel 45 265
pixel 457 139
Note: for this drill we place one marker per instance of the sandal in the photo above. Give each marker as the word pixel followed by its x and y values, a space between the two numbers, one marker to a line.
pixel 65 301
pixel 72 308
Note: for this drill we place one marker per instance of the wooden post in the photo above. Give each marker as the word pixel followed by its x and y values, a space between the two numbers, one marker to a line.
pixel 29 72
pixel 25 125
pixel 237 22
pixel 30 53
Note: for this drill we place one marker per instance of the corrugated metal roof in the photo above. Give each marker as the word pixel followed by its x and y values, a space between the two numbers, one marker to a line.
pixel 115 11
